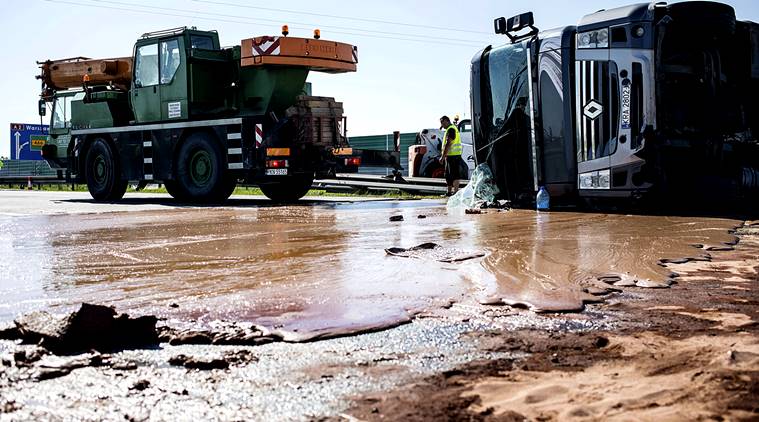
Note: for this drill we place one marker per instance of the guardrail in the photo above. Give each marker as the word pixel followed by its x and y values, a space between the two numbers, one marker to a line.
pixel 23 172
pixel 421 185
pixel 26 168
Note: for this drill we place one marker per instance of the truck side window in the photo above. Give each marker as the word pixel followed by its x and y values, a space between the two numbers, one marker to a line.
pixel 146 66
pixel 62 113
pixel 170 60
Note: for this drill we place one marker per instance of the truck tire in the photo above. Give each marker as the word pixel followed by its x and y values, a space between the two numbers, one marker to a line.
pixel 102 172
pixel 288 188
pixel 717 17
pixel 227 188
pixel 436 171
pixel 172 187
pixel 201 176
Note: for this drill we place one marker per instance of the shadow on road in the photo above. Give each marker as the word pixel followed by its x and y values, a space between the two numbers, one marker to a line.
pixel 260 202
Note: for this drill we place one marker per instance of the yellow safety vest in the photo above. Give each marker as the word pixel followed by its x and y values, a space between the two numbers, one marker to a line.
pixel 455 145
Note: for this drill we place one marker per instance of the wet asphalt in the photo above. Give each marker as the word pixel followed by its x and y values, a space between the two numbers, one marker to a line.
pixel 317 268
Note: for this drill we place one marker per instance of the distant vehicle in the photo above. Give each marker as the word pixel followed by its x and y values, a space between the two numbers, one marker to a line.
pixel 424 154
pixel 200 118
pixel 644 101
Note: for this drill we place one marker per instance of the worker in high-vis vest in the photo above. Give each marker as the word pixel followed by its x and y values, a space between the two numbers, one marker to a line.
pixel 451 154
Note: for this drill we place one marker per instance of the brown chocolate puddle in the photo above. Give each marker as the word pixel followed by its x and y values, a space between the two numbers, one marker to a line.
pixel 556 262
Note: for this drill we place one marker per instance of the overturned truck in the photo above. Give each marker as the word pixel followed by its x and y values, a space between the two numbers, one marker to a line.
pixel 201 119
pixel 647 101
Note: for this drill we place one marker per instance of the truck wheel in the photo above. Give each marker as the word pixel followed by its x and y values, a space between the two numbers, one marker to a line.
pixel 436 172
pixel 172 187
pixel 288 188
pixel 227 188
pixel 201 176
pixel 102 173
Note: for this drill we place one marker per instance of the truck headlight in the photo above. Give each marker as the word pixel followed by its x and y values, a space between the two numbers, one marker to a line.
pixel 595 180
pixel 593 39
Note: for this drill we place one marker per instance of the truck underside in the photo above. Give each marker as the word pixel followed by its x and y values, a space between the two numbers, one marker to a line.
pixel 706 143
pixel 204 160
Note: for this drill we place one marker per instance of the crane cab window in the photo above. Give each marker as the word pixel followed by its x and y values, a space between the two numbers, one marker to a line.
pixel 62 112
pixel 170 60
pixel 146 65
pixel 201 42
pixel 152 68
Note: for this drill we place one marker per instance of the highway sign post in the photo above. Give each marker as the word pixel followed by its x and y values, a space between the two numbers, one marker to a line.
pixel 27 141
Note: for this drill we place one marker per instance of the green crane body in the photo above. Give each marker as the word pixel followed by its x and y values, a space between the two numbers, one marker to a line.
pixel 244 109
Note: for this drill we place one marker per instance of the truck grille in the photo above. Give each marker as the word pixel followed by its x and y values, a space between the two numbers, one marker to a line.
pixel 596 108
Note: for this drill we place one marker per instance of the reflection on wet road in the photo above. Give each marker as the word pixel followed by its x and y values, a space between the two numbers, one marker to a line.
pixel 320 268
pixel 303 268
pixel 545 260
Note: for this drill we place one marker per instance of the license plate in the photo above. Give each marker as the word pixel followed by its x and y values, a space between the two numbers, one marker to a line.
pixel 626 97
pixel 276 172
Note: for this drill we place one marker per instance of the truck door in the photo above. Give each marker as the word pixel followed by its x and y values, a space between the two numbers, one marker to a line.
pixel 60 128
pixel 597 116
pixel 173 85
pixel 556 141
pixel 145 95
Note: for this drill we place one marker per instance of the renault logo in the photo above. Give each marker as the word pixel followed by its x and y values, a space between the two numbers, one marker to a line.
pixel 592 110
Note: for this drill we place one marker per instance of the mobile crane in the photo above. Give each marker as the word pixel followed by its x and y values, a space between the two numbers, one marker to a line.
pixel 199 118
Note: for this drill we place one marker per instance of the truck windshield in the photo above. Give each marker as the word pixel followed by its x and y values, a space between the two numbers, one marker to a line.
pixel 502 129
pixel 507 86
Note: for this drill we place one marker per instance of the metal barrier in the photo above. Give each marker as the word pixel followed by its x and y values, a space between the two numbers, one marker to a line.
pixel 23 173
pixel 16 169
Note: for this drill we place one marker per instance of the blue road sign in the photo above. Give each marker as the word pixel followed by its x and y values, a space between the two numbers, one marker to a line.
pixel 27 141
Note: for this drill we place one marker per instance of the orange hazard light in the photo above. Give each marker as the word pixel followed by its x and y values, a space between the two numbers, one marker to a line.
pixel 278 152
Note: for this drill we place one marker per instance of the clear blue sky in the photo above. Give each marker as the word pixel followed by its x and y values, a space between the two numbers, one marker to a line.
pixel 400 84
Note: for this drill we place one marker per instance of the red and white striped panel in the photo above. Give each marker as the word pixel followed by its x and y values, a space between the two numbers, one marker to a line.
pixel 259 134
pixel 266 46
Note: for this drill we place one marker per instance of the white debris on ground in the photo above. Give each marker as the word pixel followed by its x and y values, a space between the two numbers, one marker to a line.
pixel 480 190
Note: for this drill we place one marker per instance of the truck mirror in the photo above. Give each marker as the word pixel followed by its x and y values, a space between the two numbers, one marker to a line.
pixel 519 22
pixel 510 27
pixel 500 26
pixel 42 108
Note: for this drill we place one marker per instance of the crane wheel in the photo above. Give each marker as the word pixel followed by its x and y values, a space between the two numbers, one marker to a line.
pixel 102 172
pixel 201 175
pixel 287 188
pixel 172 187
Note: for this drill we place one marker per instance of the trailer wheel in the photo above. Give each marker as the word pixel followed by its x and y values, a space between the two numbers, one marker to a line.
pixel 103 174
pixel 201 176
pixel 288 188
